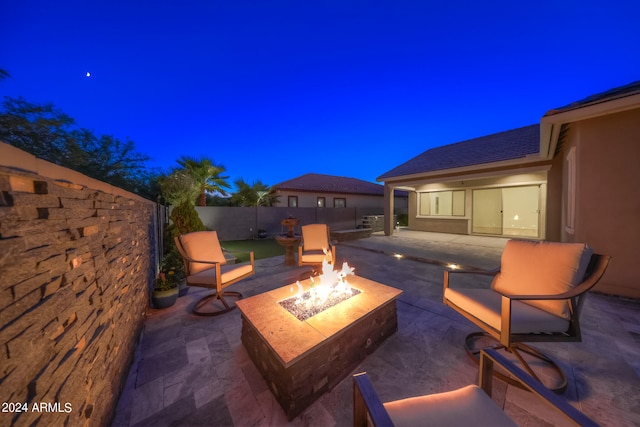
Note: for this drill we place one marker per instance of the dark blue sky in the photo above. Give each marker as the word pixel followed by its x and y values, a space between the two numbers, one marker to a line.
pixel 276 89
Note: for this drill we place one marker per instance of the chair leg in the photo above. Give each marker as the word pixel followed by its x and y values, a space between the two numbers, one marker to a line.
pixel 215 296
pixel 474 353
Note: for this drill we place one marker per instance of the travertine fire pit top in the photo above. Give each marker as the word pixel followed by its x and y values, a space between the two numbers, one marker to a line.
pixel 291 338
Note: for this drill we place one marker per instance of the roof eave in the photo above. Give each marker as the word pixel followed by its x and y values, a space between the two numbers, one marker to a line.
pixel 529 160
pixel 311 190
pixel 552 121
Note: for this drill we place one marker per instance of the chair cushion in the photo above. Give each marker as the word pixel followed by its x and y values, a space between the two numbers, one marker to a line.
pixel 548 268
pixel 315 237
pixel 207 278
pixel 467 406
pixel 202 245
pixel 486 305
pixel 313 257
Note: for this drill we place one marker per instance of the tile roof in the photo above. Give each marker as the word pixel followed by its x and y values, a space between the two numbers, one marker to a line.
pixel 319 183
pixel 609 95
pixel 507 145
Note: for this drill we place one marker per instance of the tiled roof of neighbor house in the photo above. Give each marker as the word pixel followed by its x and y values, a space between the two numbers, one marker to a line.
pixel 609 95
pixel 315 182
pixel 508 145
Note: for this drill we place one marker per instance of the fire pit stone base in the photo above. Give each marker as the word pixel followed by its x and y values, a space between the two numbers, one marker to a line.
pixel 298 371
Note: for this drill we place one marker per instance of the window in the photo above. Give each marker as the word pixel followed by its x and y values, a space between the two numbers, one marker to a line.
pixel 321 202
pixel 293 201
pixel 570 214
pixel 339 202
pixel 441 203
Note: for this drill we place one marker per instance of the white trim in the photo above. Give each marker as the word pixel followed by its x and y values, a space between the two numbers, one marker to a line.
pixel 570 214
pixel 584 112
pixel 413 181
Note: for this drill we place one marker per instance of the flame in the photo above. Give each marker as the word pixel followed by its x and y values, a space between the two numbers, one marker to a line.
pixel 330 282
pixel 328 256
pixel 300 289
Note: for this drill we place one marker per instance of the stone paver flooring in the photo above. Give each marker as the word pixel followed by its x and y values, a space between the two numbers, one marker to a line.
pixel 194 371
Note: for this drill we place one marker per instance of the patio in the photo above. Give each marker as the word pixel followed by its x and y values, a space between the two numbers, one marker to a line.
pixel 191 370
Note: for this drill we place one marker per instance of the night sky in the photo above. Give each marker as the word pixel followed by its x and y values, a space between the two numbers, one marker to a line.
pixel 276 89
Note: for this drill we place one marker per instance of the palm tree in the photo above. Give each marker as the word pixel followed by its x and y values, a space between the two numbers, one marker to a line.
pixel 256 194
pixel 207 175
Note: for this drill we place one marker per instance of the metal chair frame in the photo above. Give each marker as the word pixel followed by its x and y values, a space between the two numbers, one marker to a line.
pixel 219 285
pixel 367 406
pixel 331 248
pixel 514 343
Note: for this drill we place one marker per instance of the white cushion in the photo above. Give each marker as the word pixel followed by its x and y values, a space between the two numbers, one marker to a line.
pixel 315 237
pixel 486 305
pixel 313 257
pixel 228 273
pixel 203 246
pixel 542 268
pixel 468 406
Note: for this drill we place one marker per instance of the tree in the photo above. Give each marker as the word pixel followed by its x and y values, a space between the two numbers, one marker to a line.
pixel 41 130
pixel 207 176
pixel 216 200
pixel 180 190
pixel 178 187
pixel 113 160
pixel 49 134
pixel 256 194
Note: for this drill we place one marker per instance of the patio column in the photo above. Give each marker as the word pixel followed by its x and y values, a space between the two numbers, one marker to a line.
pixel 388 209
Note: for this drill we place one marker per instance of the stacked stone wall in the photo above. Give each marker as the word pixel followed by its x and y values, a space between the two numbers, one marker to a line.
pixel 75 268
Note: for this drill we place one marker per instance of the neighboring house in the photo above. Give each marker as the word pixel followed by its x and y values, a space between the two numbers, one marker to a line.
pixel 580 183
pixel 314 190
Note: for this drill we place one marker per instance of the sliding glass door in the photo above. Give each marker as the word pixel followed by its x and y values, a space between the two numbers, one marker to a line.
pixel 521 211
pixel 509 211
pixel 487 211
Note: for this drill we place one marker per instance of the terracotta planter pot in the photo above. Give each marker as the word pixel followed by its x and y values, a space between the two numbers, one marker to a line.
pixel 164 299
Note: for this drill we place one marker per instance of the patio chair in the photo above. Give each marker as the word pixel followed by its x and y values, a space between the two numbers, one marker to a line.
pixel 315 241
pixel 467 406
pixel 536 296
pixel 205 266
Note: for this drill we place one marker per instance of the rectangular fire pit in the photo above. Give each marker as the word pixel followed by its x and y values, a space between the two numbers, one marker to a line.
pixel 300 360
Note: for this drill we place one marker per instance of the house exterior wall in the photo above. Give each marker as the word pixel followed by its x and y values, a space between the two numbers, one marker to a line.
pixel 309 200
pixel 462 224
pixel 608 195
pixel 591 192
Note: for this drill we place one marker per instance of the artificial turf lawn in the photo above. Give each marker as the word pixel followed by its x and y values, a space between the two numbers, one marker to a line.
pixel 262 248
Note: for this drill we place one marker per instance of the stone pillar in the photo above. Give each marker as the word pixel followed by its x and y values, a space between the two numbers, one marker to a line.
pixel 388 210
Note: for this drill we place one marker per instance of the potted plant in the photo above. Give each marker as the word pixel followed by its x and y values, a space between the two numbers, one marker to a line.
pixel 173 265
pixel 180 191
pixel 165 290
